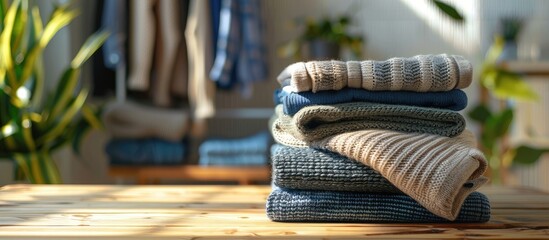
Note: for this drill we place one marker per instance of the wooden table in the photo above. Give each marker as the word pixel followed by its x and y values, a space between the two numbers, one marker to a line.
pixel 222 212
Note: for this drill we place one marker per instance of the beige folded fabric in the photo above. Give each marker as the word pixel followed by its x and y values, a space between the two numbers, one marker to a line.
pixel 422 73
pixel 438 172
pixel 131 120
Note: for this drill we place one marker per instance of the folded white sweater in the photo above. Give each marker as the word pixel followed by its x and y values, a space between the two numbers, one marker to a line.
pixel 422 73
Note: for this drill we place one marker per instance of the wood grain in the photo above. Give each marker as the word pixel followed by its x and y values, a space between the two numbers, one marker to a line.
pixel 222 212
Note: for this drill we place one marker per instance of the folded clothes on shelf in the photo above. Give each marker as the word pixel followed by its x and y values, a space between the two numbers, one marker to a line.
pixel 252 150
pixel 145 152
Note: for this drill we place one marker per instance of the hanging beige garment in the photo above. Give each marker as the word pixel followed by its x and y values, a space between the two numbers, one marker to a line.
pixel 200 54
pixel 142 35
pixel 168 39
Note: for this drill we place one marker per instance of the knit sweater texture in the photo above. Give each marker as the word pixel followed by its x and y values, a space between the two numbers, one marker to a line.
pixel 286 205
pixel 319 121
pixel 422 73
pixel 315 169
pixel 452 100
pixel 437 171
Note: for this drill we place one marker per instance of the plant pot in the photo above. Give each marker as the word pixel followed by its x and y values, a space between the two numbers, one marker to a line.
pixel 323 50
pixel 509 51
pixel 6 171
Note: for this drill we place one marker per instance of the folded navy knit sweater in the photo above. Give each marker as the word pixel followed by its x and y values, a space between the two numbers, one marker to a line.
pixel 284 205
pixel 294 101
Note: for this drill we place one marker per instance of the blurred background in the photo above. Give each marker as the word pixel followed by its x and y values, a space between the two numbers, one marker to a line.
pixel 183 90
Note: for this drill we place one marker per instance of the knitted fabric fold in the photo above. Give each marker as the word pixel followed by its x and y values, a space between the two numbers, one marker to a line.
pixel 319 121
pixel 452 100
pixel 286 205
pixel 422 73
pixel 437 171
pixel 314 169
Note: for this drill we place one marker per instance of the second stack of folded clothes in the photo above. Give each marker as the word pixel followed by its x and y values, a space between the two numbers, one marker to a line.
pixel 248 151
pixel 376 141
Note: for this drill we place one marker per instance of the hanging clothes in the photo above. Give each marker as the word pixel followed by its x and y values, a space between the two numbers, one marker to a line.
pixel 179 87
pixel 104 75
pixel 168 36
pixel 240 57
pixel 199 41
pixel 114 20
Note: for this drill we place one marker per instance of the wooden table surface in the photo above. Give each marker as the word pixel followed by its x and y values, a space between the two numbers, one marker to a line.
pixel 222 212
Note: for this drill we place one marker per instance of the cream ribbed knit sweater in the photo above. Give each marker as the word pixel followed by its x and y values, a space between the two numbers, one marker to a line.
pixel 422 73
pixel 438 172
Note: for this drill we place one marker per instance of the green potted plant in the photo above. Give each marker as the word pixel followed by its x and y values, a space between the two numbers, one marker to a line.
pixel 32 126
pixel 496 121
pixel 324 38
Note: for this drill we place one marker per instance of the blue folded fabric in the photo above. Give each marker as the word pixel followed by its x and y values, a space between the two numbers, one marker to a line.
pixel 252 150
pixel 145 152
pixel 293 101
pixel 286 205
pixel 234 160
pixel 258 143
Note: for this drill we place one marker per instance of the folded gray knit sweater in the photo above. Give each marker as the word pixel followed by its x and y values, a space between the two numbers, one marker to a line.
pixel 319 121
pixel 315 169
pixel 422 73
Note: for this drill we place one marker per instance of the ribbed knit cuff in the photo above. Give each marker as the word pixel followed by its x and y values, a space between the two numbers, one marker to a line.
pixel 465 72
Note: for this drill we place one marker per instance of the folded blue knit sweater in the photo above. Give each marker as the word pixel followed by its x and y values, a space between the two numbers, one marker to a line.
pixel 294 101
pixel 284 205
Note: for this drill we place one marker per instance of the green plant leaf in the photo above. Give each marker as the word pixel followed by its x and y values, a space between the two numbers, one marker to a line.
pixel 37 25
pixel 495 127
pixel 92 116
pixel 511 85
pixel 449 10
pixel 64 120
pixel 81 128
pixel 19 26
pixel 500 123
pixel 60 18
pixel 38 167
pixel 91 120
pixel 481 113
pixel 528 155
pixel 494 51
pixel 63 94
pixel 88 49
pixel 37 86
pixel 5 44
pixel 3 9
pixel 26 131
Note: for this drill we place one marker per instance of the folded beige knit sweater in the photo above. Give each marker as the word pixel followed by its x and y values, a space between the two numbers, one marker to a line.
pixel 438 172
pixel 422 73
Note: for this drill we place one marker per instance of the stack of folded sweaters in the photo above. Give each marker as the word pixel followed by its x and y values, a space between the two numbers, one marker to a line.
pixel 247 151
pixel 376 141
